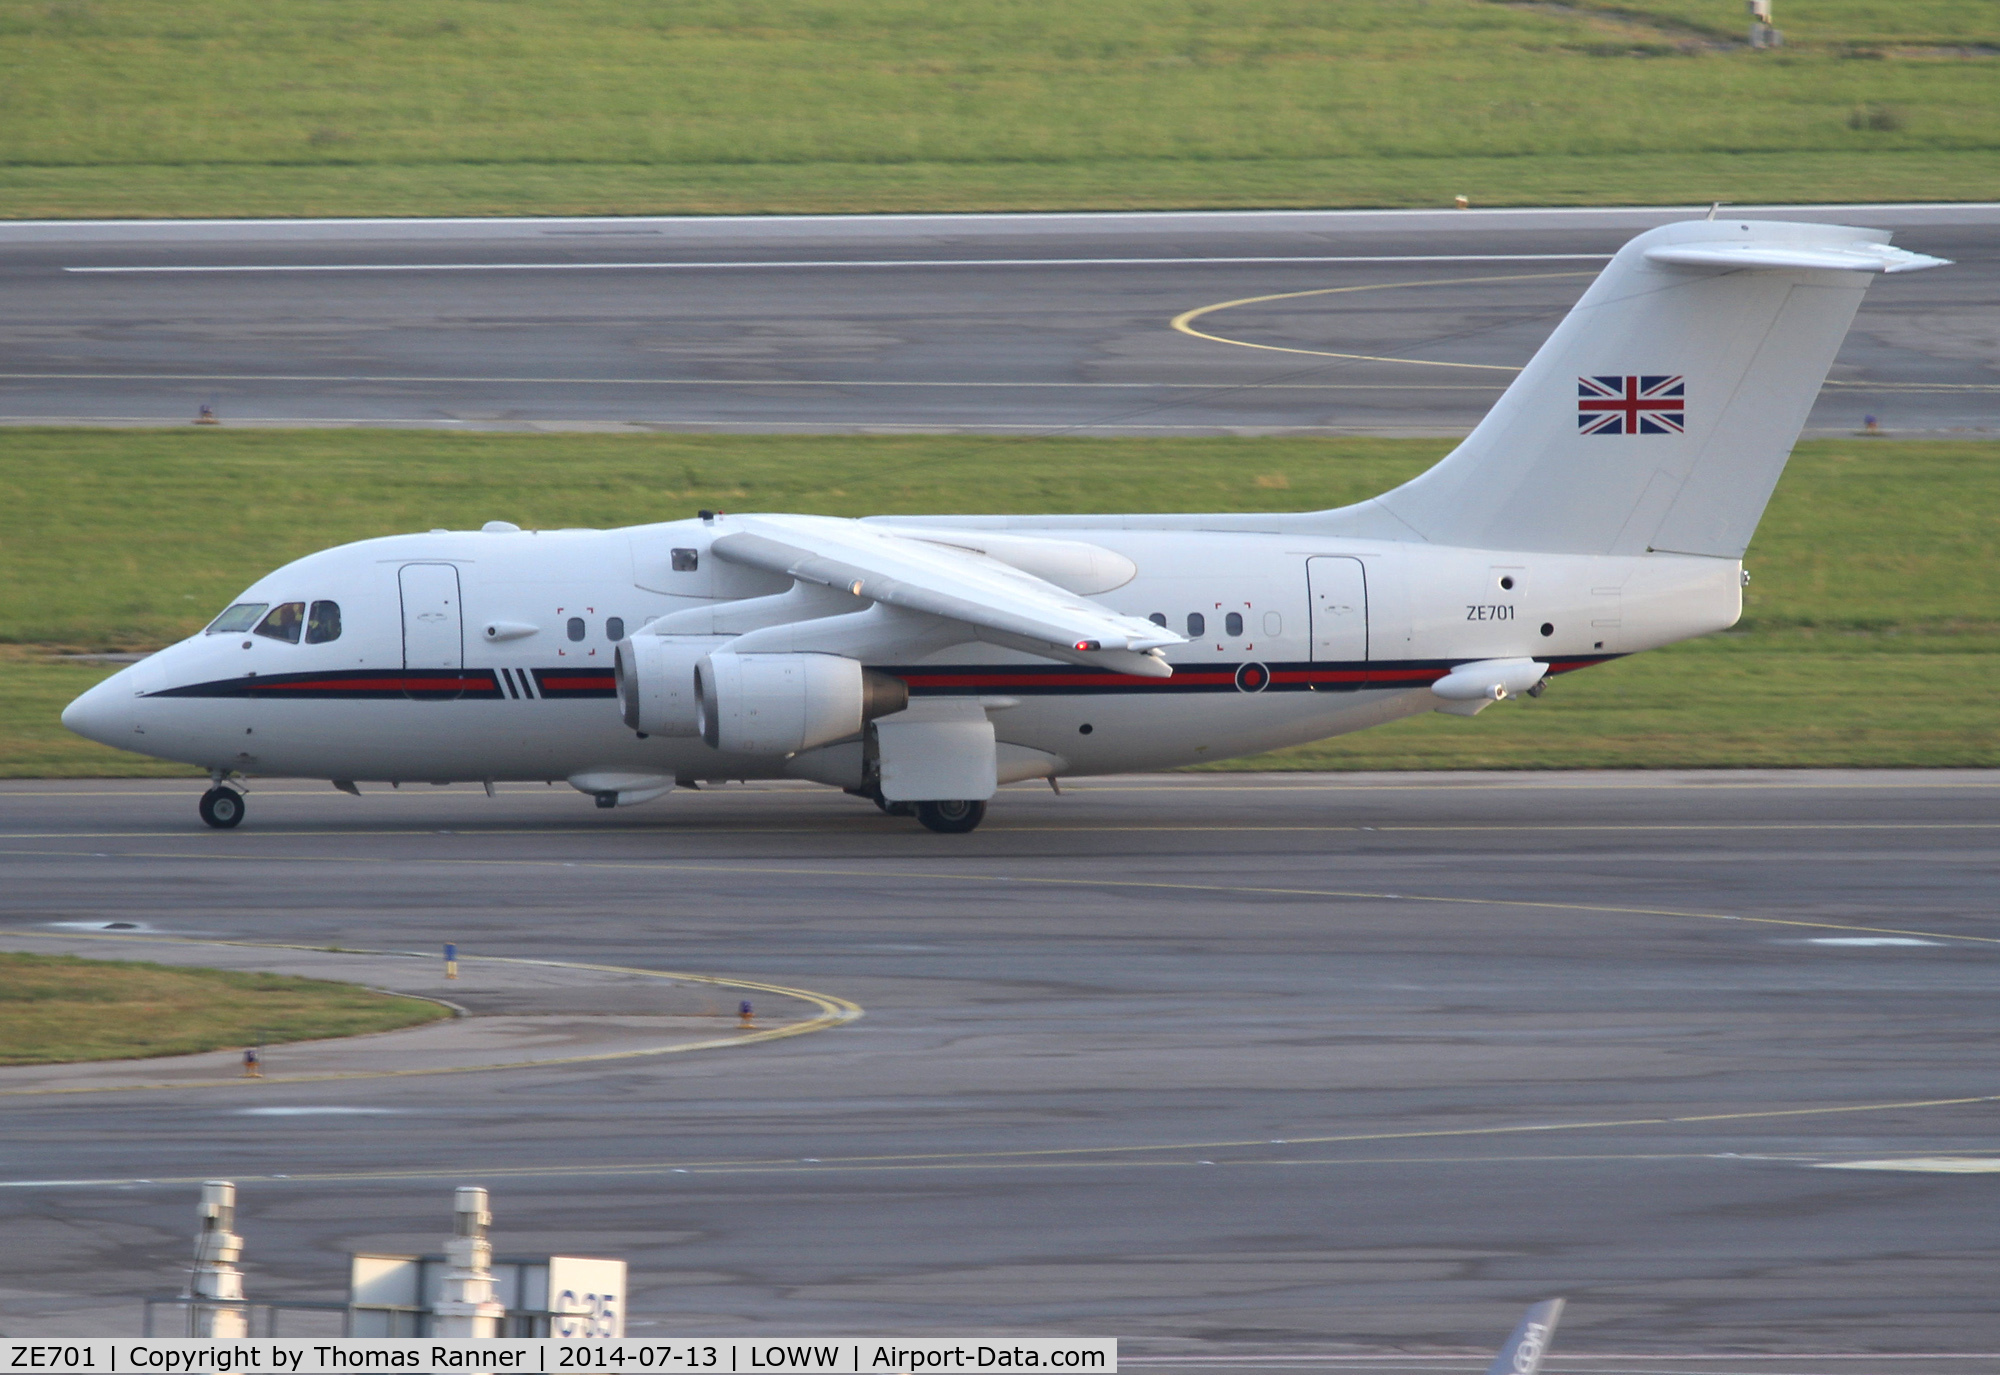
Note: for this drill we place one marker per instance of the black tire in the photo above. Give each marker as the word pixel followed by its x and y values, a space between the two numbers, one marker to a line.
pixel 222 808
pixel 951 818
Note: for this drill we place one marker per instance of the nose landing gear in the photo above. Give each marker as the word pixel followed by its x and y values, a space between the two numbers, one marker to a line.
pixel 222 807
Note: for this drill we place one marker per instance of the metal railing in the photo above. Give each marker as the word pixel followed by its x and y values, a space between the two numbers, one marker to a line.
pixel 183 1316
pixel 354 1320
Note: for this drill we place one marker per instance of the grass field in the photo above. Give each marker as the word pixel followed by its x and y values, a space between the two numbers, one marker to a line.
pixel 56 1009
pixel 1870 634
pixel 240 107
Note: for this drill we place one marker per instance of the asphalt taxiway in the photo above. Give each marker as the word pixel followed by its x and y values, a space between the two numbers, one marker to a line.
pixel 1362 322
pixel 1240 1069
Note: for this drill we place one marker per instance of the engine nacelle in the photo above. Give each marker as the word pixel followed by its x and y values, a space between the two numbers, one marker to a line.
pixel 656 682
pixel 783 703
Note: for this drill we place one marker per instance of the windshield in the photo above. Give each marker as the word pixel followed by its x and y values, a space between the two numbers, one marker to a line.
pixel 284 622
pixel 238 618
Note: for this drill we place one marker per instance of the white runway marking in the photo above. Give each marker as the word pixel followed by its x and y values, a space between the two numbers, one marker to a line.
pixel 1866 940
pixel 319 1112
pixel 796 263
pixel 726 381
pixel 1930 1164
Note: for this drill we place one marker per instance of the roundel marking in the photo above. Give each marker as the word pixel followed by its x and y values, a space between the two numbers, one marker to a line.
pixel 1253 678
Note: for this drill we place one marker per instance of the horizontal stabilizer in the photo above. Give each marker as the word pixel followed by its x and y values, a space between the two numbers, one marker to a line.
pixel 1860 256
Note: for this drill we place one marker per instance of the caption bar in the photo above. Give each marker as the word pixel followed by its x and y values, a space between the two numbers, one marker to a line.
pixel 326 1355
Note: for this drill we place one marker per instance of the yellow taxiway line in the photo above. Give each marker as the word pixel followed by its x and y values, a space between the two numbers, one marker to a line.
pixel 1184 322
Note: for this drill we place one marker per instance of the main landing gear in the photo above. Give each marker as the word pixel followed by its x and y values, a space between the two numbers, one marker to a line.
pixel 222 807
pixel 951 818
pixel 947 818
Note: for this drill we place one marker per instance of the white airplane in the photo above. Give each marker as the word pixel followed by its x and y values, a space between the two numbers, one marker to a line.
pixel 1602 507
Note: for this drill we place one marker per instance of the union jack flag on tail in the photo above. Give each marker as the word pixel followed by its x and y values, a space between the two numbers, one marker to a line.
pixel 1649 404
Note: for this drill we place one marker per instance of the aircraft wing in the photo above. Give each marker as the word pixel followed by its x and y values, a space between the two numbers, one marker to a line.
pixel 998 602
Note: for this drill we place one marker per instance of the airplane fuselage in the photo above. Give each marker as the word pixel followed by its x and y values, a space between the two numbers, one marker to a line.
pixel 471 656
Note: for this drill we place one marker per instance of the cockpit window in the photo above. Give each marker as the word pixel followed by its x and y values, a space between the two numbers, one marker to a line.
pixel 323 623
pixel 238 618
pixel 284 622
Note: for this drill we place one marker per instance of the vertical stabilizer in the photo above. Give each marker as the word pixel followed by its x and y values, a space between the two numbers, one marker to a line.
pixel 1660 413
pixel 1522 1355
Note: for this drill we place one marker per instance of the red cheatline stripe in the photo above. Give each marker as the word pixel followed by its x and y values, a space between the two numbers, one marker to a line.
pixel 1028 680
pixel 595 680
pixel 1314 675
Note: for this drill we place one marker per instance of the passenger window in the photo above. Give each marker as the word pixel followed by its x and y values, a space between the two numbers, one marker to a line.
pixel 614 628
pixel 1274 624
pixel 576 627
pixel 284 622
pixel 238 618
pixel 1233 623
pixel 1197 625
pixel 686 560
pixel 1159 618
pixel 323 623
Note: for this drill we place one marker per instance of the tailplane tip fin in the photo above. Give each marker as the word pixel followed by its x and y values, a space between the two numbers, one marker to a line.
pixel 1522 1355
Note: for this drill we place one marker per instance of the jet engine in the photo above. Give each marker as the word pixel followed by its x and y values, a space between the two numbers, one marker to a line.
pixel 656 682
pixel 784 703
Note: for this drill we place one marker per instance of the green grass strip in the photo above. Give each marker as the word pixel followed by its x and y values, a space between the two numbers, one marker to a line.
pixel 59 1009
pixel 409 107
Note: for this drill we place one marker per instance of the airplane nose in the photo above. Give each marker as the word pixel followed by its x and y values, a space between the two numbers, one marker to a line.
pixel 104 713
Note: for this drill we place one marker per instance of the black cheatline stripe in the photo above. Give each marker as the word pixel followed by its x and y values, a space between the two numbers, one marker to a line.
pixel 967 680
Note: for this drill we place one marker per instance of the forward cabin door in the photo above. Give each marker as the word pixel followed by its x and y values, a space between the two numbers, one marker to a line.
pixel 433 628
pixel 1338 590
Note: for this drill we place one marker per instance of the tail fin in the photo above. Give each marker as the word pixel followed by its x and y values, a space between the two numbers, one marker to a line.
pixel 1661 411
pixel 1522 1355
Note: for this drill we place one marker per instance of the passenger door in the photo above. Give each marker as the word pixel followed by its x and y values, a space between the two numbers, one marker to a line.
pixel 433 627
pixel 1338 591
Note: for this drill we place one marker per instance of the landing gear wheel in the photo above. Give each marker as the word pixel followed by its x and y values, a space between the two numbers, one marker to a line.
pixel 951 818
pixel 222 808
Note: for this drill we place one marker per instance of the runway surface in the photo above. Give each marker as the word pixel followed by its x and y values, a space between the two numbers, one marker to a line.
pixel 1409 322
pixel 1229 1067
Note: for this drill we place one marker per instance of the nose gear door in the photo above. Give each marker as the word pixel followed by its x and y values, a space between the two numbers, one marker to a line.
pixel 433 632
pixel 1338 591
